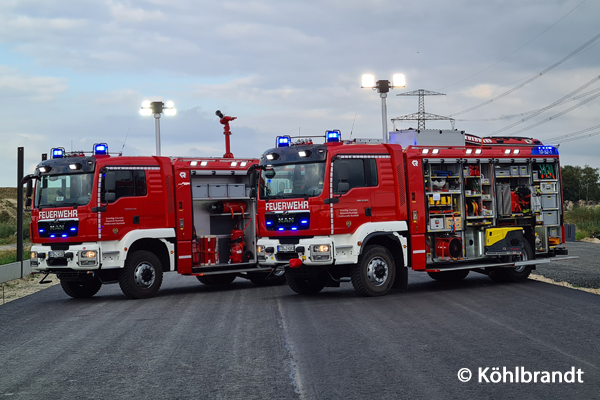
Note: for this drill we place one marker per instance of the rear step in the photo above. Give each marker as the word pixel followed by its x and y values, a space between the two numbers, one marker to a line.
pixel 511 264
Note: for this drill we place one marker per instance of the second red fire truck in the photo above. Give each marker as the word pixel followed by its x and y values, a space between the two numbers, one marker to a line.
pixel 444 203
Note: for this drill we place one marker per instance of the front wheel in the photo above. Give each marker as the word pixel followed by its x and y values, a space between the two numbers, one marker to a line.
pixel 303 284
pixel 375 273
pixel 80 290
pixel 267 278
pixel 142 276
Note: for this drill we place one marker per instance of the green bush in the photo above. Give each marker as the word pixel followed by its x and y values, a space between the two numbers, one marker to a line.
pixel 587 220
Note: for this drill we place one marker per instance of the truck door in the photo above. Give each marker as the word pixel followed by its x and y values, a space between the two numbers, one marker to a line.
pixel 352 185
pixel 123 214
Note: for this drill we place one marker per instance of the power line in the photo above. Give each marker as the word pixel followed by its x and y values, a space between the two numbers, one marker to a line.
pixel 570 135
pixel 568 56
pixel 556 115
pixel 580 137
pixel 541 110
pixel 504 58
pixel 511 116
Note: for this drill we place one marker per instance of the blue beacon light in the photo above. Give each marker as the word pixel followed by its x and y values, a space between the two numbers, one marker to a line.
pixel 333 136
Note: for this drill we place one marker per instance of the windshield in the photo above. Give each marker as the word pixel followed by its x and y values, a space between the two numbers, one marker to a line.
pixel 292 181
pixel 64 190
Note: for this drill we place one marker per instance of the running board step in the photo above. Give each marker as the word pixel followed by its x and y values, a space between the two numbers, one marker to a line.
pixel 511 264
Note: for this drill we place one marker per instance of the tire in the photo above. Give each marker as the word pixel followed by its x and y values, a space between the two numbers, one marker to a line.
pixel 375 273
pixel 266 278
pixel 517 274
pixel 303 284
pixel 142 276
pixel 217 280
pixel 81 290
pixel 449 276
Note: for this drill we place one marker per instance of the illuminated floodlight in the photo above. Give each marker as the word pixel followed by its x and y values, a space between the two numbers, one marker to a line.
pixel 477 151
pixel 157 108
pixel 469 151
pixel 398 80
pixel 368 81
pixel 383 87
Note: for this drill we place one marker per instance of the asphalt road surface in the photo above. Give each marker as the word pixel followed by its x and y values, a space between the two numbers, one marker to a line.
pixel 244 342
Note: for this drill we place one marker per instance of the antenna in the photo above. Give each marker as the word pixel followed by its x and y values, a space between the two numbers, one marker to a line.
pixel 351 130
pixel 125 140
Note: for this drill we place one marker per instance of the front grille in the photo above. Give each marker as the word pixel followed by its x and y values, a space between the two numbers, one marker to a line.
pixel 57 262
pixel 285 256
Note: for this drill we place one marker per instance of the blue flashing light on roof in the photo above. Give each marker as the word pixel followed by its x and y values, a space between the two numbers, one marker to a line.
pixel 100 149
pixel 58 152
pixel 333 136
pixel 284 141
pixel 281 229
pixel 544 151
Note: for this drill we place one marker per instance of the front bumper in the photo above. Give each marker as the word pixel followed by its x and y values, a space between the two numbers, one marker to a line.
pixel 279 254
pixel 71 259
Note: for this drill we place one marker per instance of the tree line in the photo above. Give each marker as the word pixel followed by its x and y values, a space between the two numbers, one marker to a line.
pixel 581 183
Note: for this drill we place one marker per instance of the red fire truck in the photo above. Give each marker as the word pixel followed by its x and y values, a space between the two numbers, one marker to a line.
pixel 445 203
pixel 99 218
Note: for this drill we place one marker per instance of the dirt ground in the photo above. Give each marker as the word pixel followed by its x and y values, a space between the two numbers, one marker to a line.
pixel 18 288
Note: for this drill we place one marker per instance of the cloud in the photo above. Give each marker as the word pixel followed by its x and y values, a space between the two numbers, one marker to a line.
pixel 15 84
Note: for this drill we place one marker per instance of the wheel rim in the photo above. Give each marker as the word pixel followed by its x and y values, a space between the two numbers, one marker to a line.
pixel 523 257
pixel 144 275
pixel 377 271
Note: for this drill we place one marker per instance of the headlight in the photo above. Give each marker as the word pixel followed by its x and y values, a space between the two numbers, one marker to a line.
pixel 33 261
pixel 320 248
pixel 88 257
pixel 320 252
pixel 260 249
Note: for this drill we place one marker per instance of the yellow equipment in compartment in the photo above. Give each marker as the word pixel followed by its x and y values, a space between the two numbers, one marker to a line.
pixel 494 235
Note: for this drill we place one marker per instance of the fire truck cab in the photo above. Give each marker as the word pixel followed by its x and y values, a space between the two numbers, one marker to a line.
pixel 445 203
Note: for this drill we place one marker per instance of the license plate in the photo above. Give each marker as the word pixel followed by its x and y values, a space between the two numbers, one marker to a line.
pixel 56 254
pixel 286 248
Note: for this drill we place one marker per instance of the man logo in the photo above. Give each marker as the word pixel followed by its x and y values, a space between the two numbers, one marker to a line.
pixel 182 174
pixel 415 163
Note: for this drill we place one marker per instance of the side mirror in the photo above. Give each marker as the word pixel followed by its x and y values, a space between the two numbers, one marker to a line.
pixel 28 202
pixel 110 197
pixel 342 171
pixel 29 189
pixel 253 182
pixel 343 187
pixel 270 173
pixel 110 181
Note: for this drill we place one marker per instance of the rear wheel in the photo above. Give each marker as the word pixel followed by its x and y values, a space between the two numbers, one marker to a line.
pixel 517 274
pixel 303 284
pixel 217 280
pixel 375 273
pixel 142 276
pixel 80 290
pixel 449 276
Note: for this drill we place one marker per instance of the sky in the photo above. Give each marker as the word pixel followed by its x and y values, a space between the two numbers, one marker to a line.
pixel 75 72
